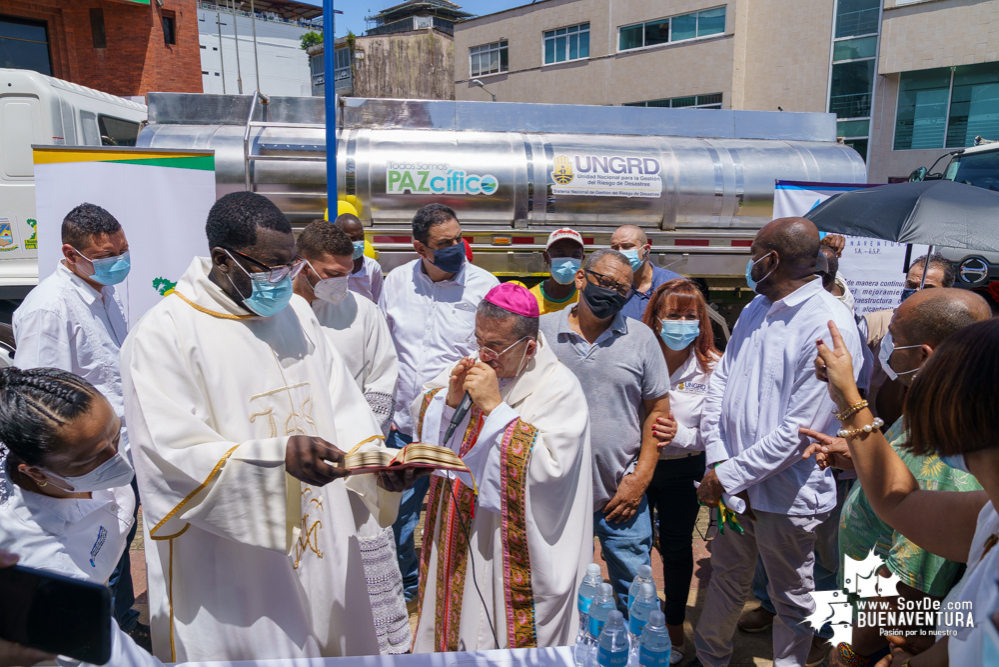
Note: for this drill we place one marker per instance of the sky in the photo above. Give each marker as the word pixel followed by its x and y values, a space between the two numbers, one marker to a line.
pixel 354 11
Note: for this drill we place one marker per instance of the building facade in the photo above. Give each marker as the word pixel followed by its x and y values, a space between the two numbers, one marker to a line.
pixel 269 37
pixel 875 63
pixel 123 47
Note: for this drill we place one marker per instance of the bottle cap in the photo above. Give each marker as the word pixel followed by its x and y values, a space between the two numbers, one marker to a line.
pixel 645 571
pixel 648 591
pixel 593 570
pixel 605 590
pixel 615 618
pixel 657 619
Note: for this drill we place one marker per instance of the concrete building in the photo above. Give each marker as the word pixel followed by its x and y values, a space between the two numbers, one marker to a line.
pixel 407 53
pixel 269 36
pixel 881 69
pixel 123 47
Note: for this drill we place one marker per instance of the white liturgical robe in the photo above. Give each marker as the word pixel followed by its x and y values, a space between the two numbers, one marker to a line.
pixel 244 561
pixel 530 522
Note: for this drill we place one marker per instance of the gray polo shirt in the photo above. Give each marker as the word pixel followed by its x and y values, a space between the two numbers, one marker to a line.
pixel 623 367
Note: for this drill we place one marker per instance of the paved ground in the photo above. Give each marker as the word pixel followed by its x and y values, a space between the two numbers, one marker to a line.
pixel 750 650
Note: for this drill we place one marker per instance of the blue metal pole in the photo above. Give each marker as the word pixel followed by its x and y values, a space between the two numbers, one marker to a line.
pixel 329 90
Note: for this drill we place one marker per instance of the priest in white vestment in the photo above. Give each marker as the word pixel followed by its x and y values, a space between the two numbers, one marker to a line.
pixel 240 413
pixel 354 325
pixel 357 329
pixel 527 506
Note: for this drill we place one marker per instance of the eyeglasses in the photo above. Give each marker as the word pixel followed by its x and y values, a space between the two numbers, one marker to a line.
pixel 488 354
pixel 609 283
pixel 275 274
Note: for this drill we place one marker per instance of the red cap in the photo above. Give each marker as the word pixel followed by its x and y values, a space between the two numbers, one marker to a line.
pixel 564 233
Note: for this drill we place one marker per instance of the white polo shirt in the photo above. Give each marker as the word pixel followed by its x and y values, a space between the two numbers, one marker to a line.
pixel 688 387
pixel 78 538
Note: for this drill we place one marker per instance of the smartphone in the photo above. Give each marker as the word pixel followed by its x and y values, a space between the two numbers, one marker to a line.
pixel 55 614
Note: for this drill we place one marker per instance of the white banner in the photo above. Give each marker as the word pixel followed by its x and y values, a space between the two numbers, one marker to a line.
pixel 161 198
pixel 874 269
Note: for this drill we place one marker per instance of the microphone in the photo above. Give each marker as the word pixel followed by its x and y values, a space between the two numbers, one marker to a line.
pixel 459 414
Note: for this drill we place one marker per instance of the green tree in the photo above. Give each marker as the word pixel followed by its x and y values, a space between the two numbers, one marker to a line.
pixel 311 38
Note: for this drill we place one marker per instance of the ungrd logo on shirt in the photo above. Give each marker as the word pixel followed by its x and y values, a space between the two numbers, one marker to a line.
pixel 693 387
pixel 102 536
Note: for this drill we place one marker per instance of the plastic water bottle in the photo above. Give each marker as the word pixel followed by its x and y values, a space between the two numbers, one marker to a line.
pixel 614 644
pixel 587 591
pixel 644 577
pixel 603 604
pixel 644 605
pixel 654 646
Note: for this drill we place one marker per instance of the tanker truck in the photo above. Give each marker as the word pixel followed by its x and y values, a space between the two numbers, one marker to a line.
pixel 700 182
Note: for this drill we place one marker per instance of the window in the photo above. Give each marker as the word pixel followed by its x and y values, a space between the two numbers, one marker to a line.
pixel 570 43
pixel 850 93
pixel 97 31
pixel 24 45
pixel 947 107
pixel 169 28
pixel 489 58
pixel 675 29
pixel 712 101
pixel 117 132
pixel 857 17
pixel 204 72
pixel 203 46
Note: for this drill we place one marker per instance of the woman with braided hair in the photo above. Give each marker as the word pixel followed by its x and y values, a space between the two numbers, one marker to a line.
pixel 65 496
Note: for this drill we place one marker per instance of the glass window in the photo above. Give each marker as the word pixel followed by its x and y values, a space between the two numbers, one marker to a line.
pixel 712 101
pixel 24 45
pixel 711 22
pixel 850 94
pixel 657 32
pixel 630 37
pixel 169 30
pixel 853 128
pixel 974 105
pixel 679 102
pixel 859 145
pixel 570 43
pixel 981 169
pixel 853 49
pixel 922 109
pixel 97 31
pixel 488 58
pixel 857 17
pixel 716 98
pixel 684 27
pixel 117 132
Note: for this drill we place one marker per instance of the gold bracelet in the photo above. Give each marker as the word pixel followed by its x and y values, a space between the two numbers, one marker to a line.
pixel 867 428
pixel 852 410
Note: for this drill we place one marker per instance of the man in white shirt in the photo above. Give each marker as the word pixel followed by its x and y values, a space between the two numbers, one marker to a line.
pixel 430 306
pixel 75 321
pixel 761 392
pixel 366 273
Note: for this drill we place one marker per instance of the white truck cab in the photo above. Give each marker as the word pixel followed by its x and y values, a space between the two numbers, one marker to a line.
pixel 38 109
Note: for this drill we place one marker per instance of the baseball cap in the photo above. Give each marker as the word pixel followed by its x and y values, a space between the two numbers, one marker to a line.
pixel 564 233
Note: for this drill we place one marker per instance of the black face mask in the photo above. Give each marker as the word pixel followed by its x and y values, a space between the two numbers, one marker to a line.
pixel 603 302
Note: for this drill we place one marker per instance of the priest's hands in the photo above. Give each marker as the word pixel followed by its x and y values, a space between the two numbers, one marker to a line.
pixel 398 481
pixel 306 458
pixel 624 505
pixel 482 385
pixel 456 386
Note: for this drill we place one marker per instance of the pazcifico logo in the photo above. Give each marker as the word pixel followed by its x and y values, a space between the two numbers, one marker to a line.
pixel 436 179
pixel 895 617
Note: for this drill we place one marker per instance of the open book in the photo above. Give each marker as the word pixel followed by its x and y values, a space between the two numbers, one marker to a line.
pixel 414 455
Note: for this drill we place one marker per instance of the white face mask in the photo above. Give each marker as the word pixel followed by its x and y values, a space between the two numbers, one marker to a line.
pixel 333 290
pixel 887 348
pixel 114 472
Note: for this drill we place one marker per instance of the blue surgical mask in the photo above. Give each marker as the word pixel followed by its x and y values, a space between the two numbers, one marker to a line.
pixel 956 461
pixel 633 258
pixel 907 292
pixel 564 269
pixel 450 259
pixel 266 298
pixel 110 270
pixel 749 272
pixel 678 334
pixel 358 249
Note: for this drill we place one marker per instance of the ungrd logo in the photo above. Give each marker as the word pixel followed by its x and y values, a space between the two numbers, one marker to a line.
pixel 438 180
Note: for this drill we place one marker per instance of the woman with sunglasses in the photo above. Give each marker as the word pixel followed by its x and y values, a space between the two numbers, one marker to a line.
pixel 678 313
